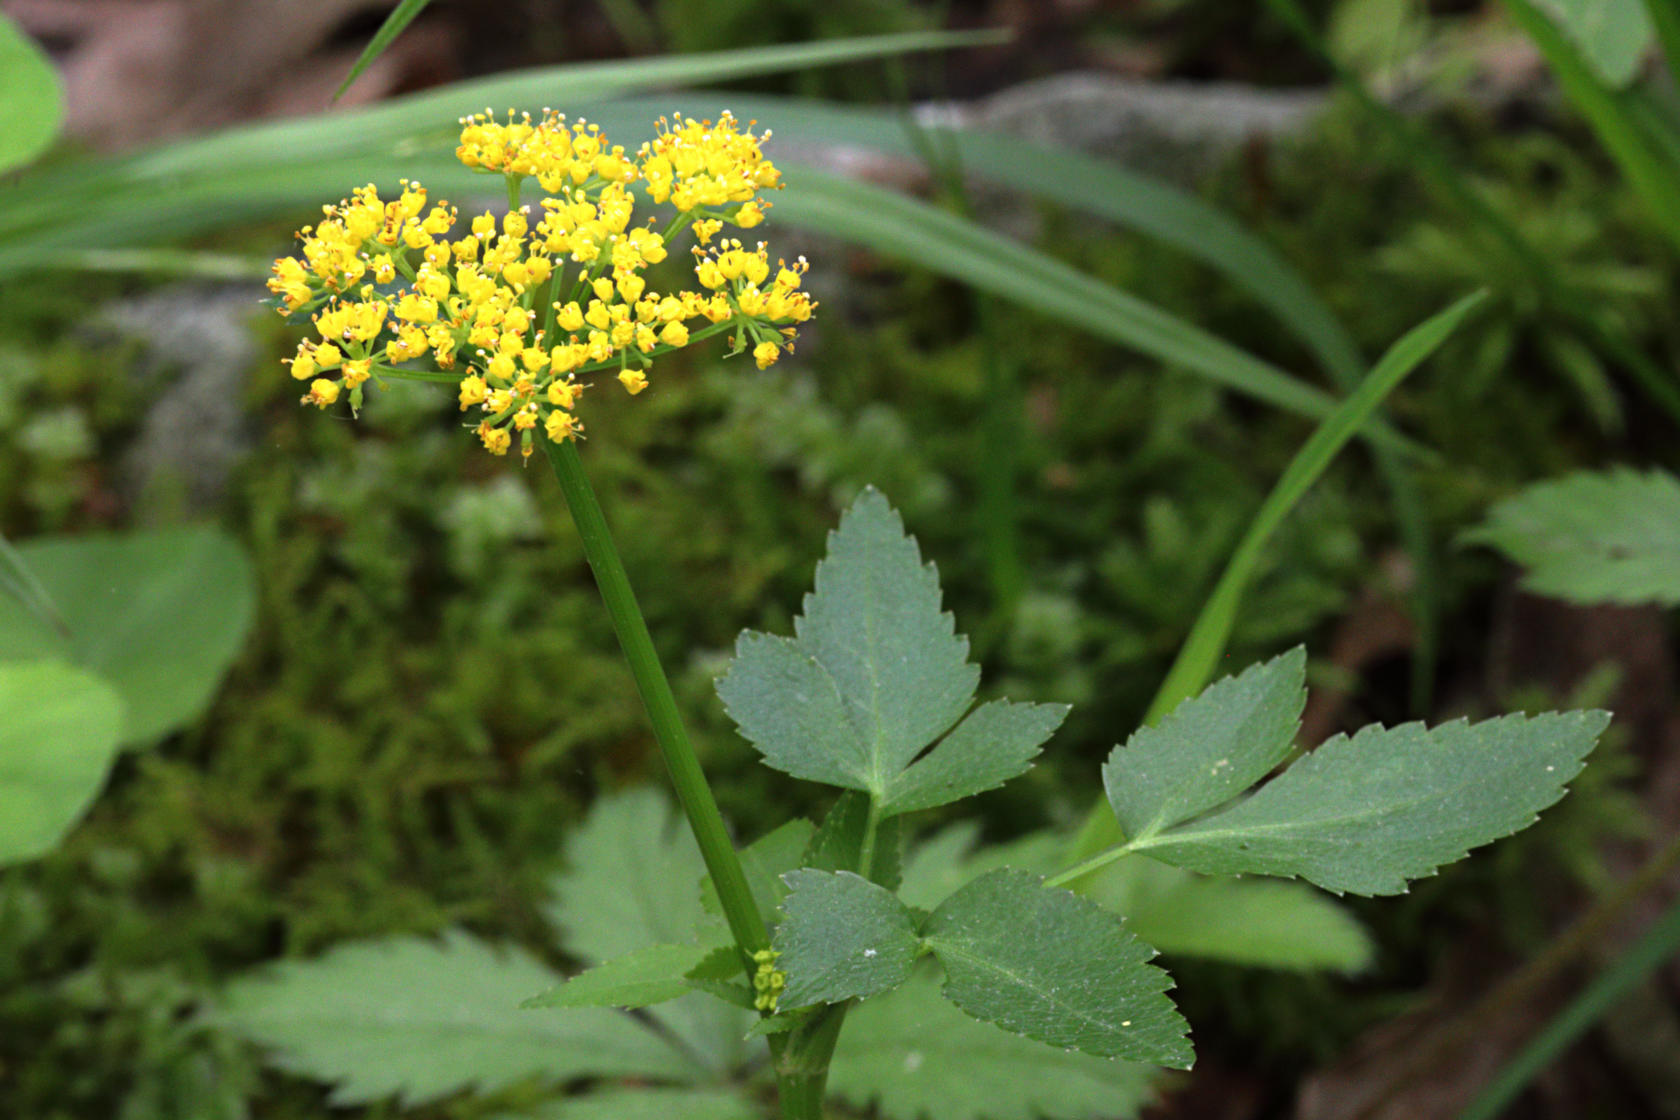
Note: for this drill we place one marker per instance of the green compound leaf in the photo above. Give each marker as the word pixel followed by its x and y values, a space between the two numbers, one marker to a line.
pixel 31 98
pixel 765 860
pixel 920 1058
pixel 843 938
pixel 647 1104
pixel 58 736
pixel 1367 814
pixel 1256 922
pixel 1050 965
pixel 423 1019
pixel 875 675
pixel 650 975
pixel 158 615
pixel 1611 537
pixel 631 884
pixel 1209 748
pixel 838 843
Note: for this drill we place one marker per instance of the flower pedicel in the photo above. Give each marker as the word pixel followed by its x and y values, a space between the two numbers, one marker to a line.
pixel 499 309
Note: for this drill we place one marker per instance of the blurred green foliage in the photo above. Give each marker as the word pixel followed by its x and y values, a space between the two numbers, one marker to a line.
pixel 432 690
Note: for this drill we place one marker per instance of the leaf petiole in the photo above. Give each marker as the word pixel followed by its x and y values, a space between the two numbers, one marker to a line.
pixel 1094 864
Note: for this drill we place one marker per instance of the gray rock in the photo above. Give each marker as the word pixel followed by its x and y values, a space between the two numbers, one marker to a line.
pixel 198 340
pixel 1179 131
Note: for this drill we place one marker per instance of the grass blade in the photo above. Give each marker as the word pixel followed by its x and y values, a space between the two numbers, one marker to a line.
pixel 1058 175
pixel 20 583
pixel 1206 644
pixel 1427 156
pixel 280 159
pixel 401 16
pixel 1204 647
pixel 1157 210
pixel 1598 999
pixel 1646 171
pixel 903 228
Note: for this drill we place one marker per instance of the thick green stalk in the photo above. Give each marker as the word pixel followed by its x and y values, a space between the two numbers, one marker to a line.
pixel 802 1066
pixel 745 922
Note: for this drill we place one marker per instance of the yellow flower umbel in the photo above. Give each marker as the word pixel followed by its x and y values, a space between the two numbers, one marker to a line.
pixel 517 310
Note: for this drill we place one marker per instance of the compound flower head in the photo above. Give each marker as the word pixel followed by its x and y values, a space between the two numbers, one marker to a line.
pixel 518 309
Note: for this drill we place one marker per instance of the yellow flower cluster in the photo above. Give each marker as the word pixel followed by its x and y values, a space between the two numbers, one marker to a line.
pixel 517 310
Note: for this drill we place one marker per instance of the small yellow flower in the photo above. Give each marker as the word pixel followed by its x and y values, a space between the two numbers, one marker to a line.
pixel 473 391
pixel 562 425
pixel 564 394
pixel 495 440
pixel 321 393
pixel 765 354
pixel 633 380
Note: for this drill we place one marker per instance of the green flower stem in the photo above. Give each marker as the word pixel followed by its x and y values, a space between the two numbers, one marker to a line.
pixel 745 922
pixel 801 1057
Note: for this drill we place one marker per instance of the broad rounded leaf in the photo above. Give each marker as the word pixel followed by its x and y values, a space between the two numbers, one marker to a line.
pixel 31 98
pixel 58 735
pixel 1208 749
pixel 158 615
pixel 1051 965
pixel 424 1019
pixel 843 938
pixel 1612 35
pixel 1367 814
pixel 1610 537
pixel 919 1058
